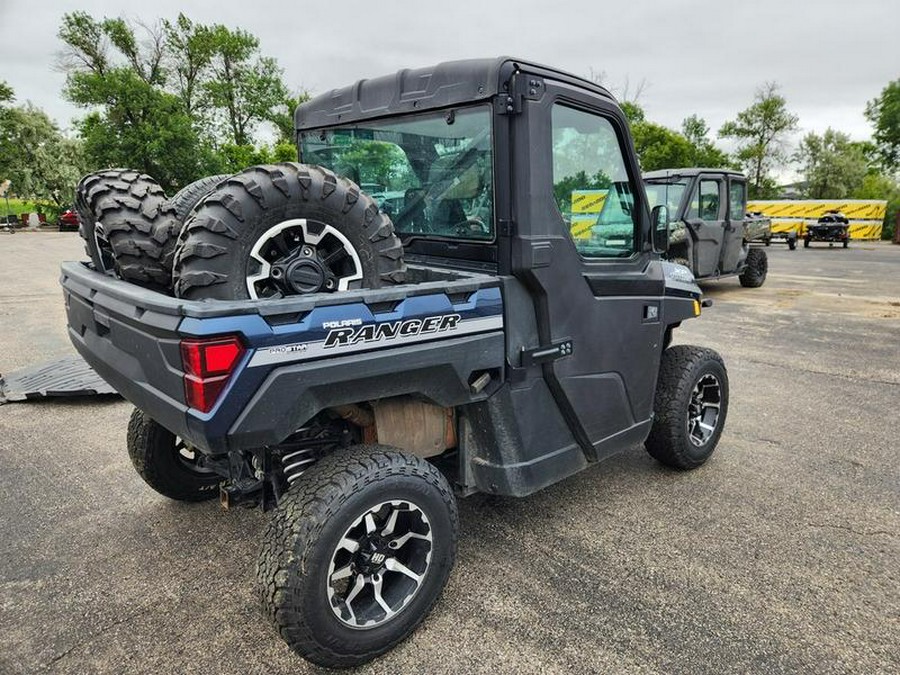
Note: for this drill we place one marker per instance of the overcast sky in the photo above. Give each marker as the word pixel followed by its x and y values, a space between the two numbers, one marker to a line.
pixel 693 56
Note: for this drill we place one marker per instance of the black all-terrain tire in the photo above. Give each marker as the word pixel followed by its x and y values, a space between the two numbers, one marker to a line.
pixel 128 209
pixel 156 455
pixel 192 194
pixel 305 530
pixel 754 275
pixel 213 257
pixel 681 369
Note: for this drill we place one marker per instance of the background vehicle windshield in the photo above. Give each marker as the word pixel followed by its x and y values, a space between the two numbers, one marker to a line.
pixel 665 192
pixel 432 173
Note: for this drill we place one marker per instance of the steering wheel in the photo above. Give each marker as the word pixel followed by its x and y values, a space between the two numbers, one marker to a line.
pixel 471 226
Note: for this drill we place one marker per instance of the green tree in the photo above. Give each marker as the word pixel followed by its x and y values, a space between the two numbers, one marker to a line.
pixel 282 117
pixel 761 132
pixel 633 112
pixel 876 185
pixel 178 99
pixel 833 166
pixel 134 122
pixel 245 87
pixel 705 153
pixel 659 147
pixel 884 114
pixel 6 149
pixel 42 163
pixel 190 49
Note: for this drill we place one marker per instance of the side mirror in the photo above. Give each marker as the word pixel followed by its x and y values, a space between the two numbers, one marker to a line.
pixel 659 222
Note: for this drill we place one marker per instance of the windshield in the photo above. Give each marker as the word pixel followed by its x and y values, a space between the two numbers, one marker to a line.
pixel 431 173
pixel 668 193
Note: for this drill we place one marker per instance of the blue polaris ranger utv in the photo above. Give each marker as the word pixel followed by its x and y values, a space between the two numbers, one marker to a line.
pixel 491 314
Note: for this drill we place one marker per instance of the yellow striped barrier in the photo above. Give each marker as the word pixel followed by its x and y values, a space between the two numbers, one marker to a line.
pixel 866 216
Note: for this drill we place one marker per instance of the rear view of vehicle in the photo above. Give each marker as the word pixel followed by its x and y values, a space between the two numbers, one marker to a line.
pixel 833 227
pixel 422 308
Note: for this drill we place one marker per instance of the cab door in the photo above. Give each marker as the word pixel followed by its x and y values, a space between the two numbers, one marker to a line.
pixel 734 225
pixel 583 253
pixel 705 218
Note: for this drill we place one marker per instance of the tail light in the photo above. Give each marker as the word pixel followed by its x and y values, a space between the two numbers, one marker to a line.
pixel 208 363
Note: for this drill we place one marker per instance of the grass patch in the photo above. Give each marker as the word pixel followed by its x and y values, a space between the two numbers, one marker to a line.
pixel 20 206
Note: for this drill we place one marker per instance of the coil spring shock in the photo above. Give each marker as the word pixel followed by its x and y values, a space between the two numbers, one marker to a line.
pixel 294 464
pixel 307 445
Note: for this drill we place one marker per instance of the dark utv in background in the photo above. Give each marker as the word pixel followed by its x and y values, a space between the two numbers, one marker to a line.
pixel 833 227
pixel 710 234
pixel 513 343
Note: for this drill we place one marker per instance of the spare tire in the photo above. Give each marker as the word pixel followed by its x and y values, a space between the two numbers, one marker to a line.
pixel 126 225
pixel 184 201
pixel 191 194
pixel 285 229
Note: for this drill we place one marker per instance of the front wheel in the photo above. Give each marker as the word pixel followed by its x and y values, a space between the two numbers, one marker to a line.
pixel 357 553
pixel 690 407
pixel 754 274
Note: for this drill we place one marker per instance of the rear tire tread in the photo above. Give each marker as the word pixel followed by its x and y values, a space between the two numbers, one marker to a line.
pixel 300 519
pixel 217 222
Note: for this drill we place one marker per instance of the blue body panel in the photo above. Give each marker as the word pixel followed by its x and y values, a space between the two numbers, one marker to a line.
pixel 271 347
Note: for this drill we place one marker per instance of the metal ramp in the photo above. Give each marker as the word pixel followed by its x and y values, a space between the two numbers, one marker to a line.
pixel 63 377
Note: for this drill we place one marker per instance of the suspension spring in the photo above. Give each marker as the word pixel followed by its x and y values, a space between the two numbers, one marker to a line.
pixel 294 464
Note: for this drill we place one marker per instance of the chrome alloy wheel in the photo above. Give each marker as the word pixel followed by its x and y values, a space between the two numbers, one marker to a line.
pixel 301 256
pixel 703 409
pixel 379 564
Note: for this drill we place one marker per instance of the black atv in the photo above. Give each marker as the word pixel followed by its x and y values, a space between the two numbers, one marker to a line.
pixel 833 227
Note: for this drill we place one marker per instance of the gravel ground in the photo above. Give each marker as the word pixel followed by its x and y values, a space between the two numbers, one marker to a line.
pixel 779 555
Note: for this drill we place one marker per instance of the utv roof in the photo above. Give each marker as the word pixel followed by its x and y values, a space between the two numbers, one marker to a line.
pixel 687 173
pixel 413 90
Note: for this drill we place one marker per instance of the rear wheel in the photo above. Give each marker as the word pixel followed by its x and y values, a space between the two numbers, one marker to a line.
pixel 846 243
pixel 792 244
pixel 126 225
pixel 287 229
pixel 168 464
pixel 357 553
pixel 690 407
pixel 754 275
pixel 806 242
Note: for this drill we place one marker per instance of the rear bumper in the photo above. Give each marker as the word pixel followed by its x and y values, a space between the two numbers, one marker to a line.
pixel 830 234
pixel 288 373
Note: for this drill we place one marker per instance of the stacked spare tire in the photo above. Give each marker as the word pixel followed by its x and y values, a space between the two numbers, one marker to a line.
pixel 268 232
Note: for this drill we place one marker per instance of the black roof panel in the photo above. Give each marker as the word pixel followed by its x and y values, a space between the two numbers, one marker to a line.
pixel 411 90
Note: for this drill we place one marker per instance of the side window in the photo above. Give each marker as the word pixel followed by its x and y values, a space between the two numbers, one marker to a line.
pixel 738 201
pixel 590 184
pixel 705 204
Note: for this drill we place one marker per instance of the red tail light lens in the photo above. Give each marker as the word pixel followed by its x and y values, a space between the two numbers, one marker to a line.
pixel 208 363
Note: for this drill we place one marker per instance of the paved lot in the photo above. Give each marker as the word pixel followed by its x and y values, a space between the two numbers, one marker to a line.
pixel 780 555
